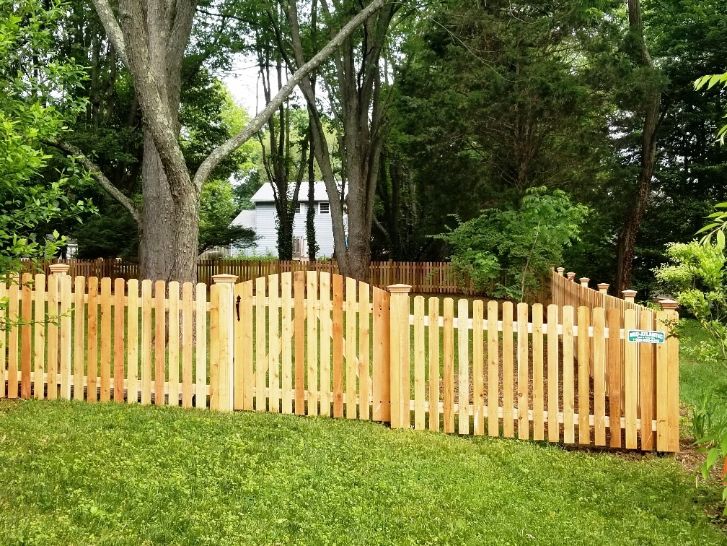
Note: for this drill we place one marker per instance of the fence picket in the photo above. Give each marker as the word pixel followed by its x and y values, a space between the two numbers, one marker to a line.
pixel 299 340
pixel 631 381
pixel 448 371
pixel 463 366
pixel 160 334
pixel 434 340
pixel 523 373
pixel 599 376
pixel 13 332
pixel 200 321
pixel 338 372
pixel 3 338
pixel 508 379
pixel 324 280
pixel 274 343
pixel 38 339
pixel 364 329
pixel 79 317
pixel 568 377
pixel 381 380
pixel 478 360
pixel 350 346
pixel 538 375
pixel 106 339
pixel 187 343
pixel 91 340
pixel 311 312
pixel 553 379
pixel 584 370
pixel 146 340
pixel 646 383
pixel 286 354
pixel 493 370
pixel 132 340
pixel 261 360
pixel 613 317
pixel 119 308
pixel 419 365
pixel 173 345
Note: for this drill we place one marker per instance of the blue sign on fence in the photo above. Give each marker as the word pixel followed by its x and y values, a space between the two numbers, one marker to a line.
pixel 646 336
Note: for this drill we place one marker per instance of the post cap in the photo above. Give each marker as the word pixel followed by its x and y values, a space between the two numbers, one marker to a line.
pixel 629 295
pixel 668 305
pixel 571 275
pixel 603 287
pixel 584 281
pixel 224 278
pixel 399 288
pixel 560 270
pixel 59 268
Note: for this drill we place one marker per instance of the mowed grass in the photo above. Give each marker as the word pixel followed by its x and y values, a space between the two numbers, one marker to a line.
pixel 77 473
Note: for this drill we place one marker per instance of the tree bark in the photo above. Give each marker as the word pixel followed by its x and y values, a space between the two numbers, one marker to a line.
pixel 651 107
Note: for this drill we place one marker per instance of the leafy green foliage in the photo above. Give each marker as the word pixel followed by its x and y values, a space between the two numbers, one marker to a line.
pixel 511 251
pixel 76 473
pixel 696 274
pixel 36 99
pixel 709 82
pixel 217 210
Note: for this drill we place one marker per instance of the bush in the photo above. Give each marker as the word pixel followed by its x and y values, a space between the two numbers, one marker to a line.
pixel 509 252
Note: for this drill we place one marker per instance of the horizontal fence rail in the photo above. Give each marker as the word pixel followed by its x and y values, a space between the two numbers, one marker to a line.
pixel 424 277
pixel 316 343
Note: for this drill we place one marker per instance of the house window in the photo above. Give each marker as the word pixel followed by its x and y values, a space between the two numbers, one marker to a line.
pixel 297 208
pixel 324 208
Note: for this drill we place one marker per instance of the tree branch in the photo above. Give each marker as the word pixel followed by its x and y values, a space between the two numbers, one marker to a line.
pixel 222 151
pixel 112 27
pixel 104 182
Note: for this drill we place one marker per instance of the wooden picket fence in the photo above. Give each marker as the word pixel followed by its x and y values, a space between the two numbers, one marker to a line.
pixel 424 277
pixel 316 343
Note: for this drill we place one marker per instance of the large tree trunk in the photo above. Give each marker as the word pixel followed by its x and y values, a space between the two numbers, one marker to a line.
pixel 650 108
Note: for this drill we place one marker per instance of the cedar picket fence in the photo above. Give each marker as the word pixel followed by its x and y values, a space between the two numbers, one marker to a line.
pixel 424 277
pixel 313 343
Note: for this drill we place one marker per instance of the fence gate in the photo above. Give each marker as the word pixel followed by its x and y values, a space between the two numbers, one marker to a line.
pixel 311 343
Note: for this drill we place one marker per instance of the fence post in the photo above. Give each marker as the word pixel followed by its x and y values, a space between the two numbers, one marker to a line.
pixel 584 281
pixel 399 354
pixel 560 270
pixel 603 287
pixel 672 364
pixel 629 296
pixel 224 284
pixel 571 276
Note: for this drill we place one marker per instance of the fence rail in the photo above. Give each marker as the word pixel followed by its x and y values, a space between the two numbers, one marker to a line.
pixel 316 343
pixel 424 277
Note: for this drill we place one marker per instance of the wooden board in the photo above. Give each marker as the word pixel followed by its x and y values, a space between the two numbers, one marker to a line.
pixel 364 340
pixel 13 331
pixel 26 337
pixel 463 367
pixel 311 316
pixel 615 374
pixel 66 336
pixel 350 346
pixel 553 375
pixel 434 340
pixel 244 348
pixel 119 310
pixel 493 370
pixel 662 387
pixel 146 340
pixel 419 365
pixel 381 378
pixel 214 348
pixel 647 385
pixel 132 337
pixel 478 362
pixel 631 382
pixel 79 338
pixel 286 349
pixel 173 349
pixel 337 342
pixel 274 343
pixel 523 372
pixel 187 344
pixel 672 345
pixel 324 315
pixel 568 343
pixel 448 370
pixel 508 377
pixel 91 342
pixel 538 374
pixel 39 318
pixel 261 345
pixel 3 338
pixel 299 341
pixel 200 321
pixel 599 376
pixel 584 372
pixel 106 339
pixel 160 332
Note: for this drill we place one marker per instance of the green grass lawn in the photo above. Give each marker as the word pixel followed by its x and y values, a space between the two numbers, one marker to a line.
pixel 73 473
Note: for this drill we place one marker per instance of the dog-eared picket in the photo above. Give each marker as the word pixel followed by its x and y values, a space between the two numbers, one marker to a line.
pixel 316 343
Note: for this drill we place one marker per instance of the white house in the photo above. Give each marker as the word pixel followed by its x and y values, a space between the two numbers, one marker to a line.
pixel 262 219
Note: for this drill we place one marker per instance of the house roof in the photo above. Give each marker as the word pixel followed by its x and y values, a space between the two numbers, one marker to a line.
pixel 265 193
pixel 245 219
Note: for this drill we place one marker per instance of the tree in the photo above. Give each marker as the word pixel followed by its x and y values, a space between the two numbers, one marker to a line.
pixel 151 38
pixel 35 187
pixel 217 210
pixel 649 108
pixel 354 88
